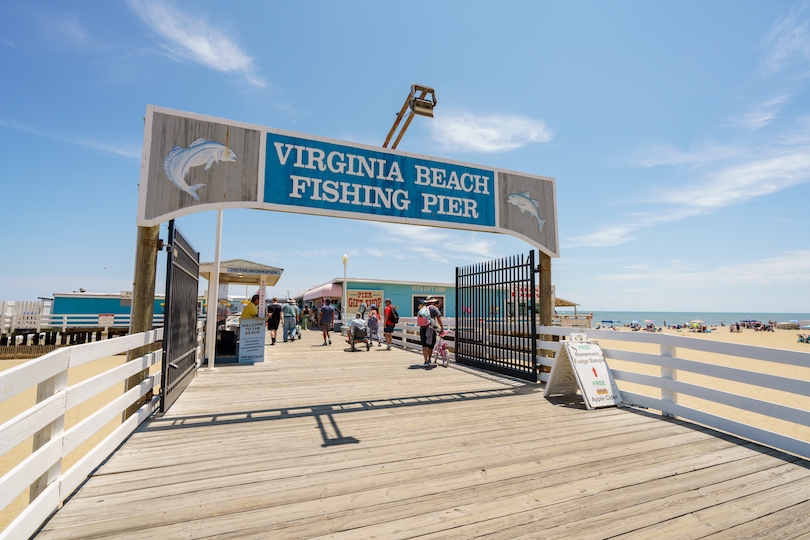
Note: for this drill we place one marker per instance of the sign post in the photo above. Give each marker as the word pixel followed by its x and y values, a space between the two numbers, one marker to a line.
pixel 263 298
pixel 580 363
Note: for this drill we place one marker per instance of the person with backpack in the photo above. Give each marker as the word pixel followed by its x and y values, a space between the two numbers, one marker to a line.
pixel 391 318
pixel 429 319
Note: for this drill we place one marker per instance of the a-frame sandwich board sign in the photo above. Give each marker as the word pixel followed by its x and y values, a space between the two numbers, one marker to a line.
pixel 580 364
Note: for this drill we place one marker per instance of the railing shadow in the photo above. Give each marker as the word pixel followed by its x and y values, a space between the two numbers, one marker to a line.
pixel 303 411
pixel 320 411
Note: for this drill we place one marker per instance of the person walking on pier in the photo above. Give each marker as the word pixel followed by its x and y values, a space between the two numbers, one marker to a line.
pixel 305 318
pixel 290 312
pixel 428 317
pixel 326 316
pixel 374 325
pixel 274 317
pixel 390 319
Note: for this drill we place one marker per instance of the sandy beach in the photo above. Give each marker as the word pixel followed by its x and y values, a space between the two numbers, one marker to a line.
pixel 780 339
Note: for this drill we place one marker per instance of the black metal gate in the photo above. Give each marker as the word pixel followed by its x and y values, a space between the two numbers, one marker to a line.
pixel 180 318
pixel 496 310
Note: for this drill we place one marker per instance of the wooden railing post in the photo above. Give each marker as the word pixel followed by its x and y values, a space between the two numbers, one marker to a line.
pixel 667 372
pixel 546 309
pixel 46 389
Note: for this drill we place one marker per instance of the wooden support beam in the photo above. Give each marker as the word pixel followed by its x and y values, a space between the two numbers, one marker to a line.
pixel 143 301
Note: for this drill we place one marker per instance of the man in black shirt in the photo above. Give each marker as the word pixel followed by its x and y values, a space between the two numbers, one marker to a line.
pixel 273 318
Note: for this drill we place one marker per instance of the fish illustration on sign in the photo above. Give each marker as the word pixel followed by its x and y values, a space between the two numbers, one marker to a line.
pixel 180 160
pixel 527 204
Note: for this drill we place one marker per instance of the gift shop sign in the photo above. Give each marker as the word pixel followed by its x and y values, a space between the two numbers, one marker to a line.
pixel 355 297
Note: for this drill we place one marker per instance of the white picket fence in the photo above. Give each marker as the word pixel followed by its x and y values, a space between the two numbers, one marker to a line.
pixel 16 317
pixel 666 381
pixel 41 471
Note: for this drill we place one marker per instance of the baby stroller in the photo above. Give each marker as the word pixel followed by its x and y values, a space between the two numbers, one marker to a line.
pixel 440 349
pixel 357 333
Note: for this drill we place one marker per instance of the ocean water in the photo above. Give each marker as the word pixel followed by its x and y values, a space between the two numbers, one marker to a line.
pixel 620 318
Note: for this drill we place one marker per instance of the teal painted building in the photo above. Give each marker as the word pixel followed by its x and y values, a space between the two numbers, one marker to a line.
pixel 405 295
pixel 94 303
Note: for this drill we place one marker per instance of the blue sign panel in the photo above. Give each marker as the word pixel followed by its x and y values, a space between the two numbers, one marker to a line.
pixel 193 163
pixel 338 178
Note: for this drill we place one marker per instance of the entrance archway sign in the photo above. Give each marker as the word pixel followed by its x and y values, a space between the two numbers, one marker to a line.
pixel 193 163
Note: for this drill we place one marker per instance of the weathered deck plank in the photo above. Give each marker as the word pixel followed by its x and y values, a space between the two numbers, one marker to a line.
pixel 321 443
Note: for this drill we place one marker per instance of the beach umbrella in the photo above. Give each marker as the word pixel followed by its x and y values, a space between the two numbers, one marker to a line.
pixel 696 321
pixel 647 321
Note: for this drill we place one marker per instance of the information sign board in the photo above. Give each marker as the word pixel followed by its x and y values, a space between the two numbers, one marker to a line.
pixel 580 363
pixel 193 163
pixel 251 340
pixel 106 320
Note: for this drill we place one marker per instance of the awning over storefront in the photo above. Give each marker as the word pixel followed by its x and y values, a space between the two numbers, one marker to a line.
pixel 330 290
pixel 242 272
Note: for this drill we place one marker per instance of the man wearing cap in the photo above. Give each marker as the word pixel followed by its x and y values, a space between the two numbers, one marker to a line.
pixel 290 312
pixel 427 334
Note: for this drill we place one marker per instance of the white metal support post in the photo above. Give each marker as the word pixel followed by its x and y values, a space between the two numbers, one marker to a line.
pixel 213 298
pixel 344 310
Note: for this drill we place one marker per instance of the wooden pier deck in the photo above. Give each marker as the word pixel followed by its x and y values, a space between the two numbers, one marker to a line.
pixel 317 442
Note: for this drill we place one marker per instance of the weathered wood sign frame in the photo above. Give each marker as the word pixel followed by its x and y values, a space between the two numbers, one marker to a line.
pixel 193 163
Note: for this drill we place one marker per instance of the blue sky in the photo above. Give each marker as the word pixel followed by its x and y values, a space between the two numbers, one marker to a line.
pixel 678 134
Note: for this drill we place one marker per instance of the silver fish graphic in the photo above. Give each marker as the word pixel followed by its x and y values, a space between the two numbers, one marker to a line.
pixel 180 160
pixel 526 204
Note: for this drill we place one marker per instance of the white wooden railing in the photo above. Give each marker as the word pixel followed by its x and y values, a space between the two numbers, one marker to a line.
pixel 714 390
pixel 48 321
pixel 41 471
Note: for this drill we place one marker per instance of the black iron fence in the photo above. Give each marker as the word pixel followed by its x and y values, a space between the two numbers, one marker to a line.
pixel 496 326
pixel 180 322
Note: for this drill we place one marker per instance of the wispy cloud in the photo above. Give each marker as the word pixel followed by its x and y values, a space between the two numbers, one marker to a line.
pixel 124 150
pixel 746 175
pixel 193 38
pixel 745 181
pixel 788 41
pixel 411 242
pixel 791 267
pixel 464 131
pixel 606 236
pixel 663 154
pixel 761 114
pixel 65 28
